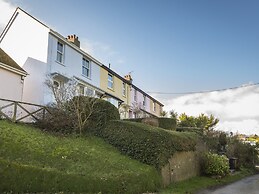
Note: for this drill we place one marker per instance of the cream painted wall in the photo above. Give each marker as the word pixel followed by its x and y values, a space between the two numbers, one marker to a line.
pixel 158 108
pixel 117 86
pixel 11 86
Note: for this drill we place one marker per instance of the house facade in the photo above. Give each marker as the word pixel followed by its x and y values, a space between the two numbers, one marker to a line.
pixel 144 105
pixel 46 55
pixel 12 78
pixel 117 90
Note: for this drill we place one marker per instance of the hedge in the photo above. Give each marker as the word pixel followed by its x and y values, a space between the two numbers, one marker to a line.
pixel 147 144
pixel 165 123
pixel 190 129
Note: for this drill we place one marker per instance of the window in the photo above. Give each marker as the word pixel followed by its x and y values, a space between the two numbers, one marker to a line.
pixel 56 84
pixel 135 95
pixel 81 90
pixel 89 92
pixel 60 52
pixel 154 106
pixel 110 81
pixel 123 89
pixel 86 68
pixel 144 100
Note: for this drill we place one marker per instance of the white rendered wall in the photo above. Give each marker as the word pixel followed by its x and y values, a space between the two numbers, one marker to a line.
pixel 26 38
pixel 26 41
pixel 72 65
pixel 11 86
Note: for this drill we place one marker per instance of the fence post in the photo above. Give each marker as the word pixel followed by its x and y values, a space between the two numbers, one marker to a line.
pixel 15 112
pixel 43 114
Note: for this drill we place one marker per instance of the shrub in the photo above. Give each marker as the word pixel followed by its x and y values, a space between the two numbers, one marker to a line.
pixel 190 129
pixel 57 120
pixel 245 153
pixel 104 112
pixel 150 121
pixel 167 123
pixel 215 165
pixel 147 144
pixel 81 114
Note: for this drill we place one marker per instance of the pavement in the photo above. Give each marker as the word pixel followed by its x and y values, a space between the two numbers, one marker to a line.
pixel 248 185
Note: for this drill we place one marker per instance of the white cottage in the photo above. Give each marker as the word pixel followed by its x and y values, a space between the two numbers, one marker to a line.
pixel 43 52
pixel 11 78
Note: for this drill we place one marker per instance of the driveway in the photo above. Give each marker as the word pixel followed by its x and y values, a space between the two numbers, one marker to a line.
pixel 249 185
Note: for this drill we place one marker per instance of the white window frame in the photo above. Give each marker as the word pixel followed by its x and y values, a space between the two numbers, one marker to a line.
pixel 60 53
pixel 89 92
pixel 56 84
pixel 81 90
pixel 124 89
pixel 135 95
pixel 110 81
pixel 154 106
pixel 86 68
pixel 144 100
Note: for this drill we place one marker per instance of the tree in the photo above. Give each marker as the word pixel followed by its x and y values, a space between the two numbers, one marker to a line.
pixel 68 100
pixel 163 113
pixel 207 123
pixel 173 114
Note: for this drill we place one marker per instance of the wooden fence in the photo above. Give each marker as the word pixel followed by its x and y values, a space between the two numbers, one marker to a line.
pixel 17 111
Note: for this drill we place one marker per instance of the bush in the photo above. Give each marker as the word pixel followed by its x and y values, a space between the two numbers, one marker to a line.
pixel 150 121
pixel 147 144
pixel 190 129
pixel 245 153
pixel 215 165
pixel 167 123
pixel 57 120
pixel 82 114
pixel 104 112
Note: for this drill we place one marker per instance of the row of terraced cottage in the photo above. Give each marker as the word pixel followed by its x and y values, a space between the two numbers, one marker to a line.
pixel 30 51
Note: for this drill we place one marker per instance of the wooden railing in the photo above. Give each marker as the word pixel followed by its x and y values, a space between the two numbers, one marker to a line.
pixel 28 112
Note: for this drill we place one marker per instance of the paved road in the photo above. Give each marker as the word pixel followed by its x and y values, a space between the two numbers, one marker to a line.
pixel 249 185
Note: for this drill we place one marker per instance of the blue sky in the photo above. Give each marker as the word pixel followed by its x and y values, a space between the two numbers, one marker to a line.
pixel 168 45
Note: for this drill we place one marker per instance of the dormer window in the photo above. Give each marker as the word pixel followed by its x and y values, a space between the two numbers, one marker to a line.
pixel 60 52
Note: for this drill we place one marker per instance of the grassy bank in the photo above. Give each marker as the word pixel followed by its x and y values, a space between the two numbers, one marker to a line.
pixel 33 161
pixel 196 184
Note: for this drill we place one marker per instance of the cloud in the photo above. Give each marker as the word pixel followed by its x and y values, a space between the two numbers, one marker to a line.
pixel 6 11
pixel 101 51
pixel 237 109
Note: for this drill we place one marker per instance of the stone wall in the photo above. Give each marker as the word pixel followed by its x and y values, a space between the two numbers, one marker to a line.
pixel 181 166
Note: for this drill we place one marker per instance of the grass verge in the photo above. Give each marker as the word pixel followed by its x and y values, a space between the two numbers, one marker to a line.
pixel 196 184
pixel 32 161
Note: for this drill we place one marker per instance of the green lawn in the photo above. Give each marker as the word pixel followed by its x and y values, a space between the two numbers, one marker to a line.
pixel 198 183
pixel 33 161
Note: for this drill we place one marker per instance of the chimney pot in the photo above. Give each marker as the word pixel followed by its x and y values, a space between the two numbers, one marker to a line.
pixel 74 39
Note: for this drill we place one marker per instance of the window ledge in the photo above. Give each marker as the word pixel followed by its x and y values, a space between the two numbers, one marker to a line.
pixel 60 63
pixel 86 77
pixel 110 89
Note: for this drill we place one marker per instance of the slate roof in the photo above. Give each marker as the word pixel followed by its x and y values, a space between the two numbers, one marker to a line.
pixel 7 60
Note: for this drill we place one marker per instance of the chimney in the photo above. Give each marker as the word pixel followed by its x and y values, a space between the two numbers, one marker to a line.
pixel 129 78
pixel 74 40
